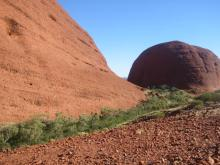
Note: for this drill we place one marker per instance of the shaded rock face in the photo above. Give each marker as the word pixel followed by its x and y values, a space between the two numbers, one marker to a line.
pixel 49 64
pixel 177 64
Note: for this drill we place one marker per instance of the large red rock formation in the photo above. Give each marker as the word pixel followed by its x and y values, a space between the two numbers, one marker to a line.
pixel 48 64
pixel 177 64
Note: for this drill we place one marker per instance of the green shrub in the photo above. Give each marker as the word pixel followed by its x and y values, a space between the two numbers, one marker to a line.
pixel 167 97
pixel 6 133
pixel 210 97
pixel 29 132
pixel 196 104
pixel 59 128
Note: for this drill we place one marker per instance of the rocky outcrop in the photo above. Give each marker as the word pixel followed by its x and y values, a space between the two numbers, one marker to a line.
pixel 49 64
pixel 177 64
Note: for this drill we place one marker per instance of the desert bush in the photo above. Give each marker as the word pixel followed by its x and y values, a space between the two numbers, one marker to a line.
pixel 196 104
pixel 167 97
pixel 6 133
pixel 59 128
pixel 210 97
pixel 29 132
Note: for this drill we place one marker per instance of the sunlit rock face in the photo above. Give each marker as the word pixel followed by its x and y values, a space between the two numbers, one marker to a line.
pixel 49 64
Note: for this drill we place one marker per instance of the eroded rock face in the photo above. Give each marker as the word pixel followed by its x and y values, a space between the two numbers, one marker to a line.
pixel 177 64
pixel 49 64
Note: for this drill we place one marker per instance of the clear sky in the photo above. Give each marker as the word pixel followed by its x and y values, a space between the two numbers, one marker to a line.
pixel 122 29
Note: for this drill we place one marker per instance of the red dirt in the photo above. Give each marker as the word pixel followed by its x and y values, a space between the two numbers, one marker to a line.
pixel 179 65
pixel 189 138
pixel 49 64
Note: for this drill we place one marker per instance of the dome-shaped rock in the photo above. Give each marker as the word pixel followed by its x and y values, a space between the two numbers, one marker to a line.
pixel 177 64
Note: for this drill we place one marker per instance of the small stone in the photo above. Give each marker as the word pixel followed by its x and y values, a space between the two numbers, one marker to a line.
pixel 139 131
pixel 142 163
pixel 150 163
pixel 70 163
pixel 60 155
pixel 39 162
pixel 210 160
pixel 176 162
pixel 163 160
pixel 69 153
pixel 203 162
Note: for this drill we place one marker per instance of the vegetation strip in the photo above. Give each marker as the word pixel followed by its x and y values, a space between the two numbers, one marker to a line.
pixel 41 130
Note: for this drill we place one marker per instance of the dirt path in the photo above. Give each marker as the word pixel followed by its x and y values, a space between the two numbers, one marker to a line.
pixel 184 139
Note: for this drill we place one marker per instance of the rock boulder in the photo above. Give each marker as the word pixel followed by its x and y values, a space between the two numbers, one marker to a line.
pixel 177 64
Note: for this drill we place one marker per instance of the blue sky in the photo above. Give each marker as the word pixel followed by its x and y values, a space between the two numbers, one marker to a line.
pixel 122 29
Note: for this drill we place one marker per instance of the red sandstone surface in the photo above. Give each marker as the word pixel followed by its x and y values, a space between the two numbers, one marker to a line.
pixel 49 64
pixel 177 64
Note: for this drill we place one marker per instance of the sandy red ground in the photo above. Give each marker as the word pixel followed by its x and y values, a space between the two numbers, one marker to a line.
pixel 182 139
